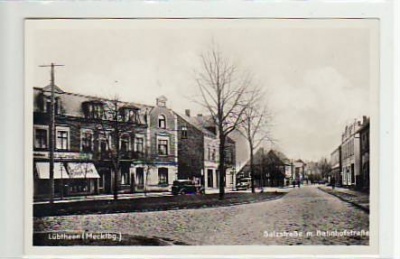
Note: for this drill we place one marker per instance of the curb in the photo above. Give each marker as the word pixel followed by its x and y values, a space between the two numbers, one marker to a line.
pixel 365 209
pixel 42 210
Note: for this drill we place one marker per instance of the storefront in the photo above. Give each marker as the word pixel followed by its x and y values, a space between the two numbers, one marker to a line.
pixel 70 178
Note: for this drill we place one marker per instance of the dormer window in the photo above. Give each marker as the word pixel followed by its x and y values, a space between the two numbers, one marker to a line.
pixel 130 114
pixel 93 110
pixel 162 123
pixel 47 104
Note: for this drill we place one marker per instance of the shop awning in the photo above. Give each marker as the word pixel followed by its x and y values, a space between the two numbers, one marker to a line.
pixel 82 171
pixel 43 170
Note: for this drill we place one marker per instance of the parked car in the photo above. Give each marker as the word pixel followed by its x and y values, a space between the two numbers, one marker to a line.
pixel 181 187
pixel 243 184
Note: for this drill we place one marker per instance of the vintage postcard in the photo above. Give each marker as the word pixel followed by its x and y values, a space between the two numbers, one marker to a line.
pixel 253 136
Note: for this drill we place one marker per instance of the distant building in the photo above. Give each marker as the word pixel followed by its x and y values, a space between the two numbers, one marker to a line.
pixel 364 133
pixel 350 154
pixel 336 167
pixel 299 173
pixel 355 154
pixel 271 168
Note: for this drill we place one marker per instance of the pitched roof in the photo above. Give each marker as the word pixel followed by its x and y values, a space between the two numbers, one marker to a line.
pixel 72 102
pixel 56 89
pixel 194 122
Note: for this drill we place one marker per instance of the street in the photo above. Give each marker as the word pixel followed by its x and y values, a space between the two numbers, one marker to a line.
pixel 277 222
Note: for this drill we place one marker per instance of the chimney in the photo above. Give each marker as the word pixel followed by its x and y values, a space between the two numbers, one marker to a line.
pixel 187 112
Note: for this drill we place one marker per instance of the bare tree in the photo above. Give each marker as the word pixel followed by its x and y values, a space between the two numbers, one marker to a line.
pixel 225 94
pixel 324 168
pixel 254 128
pixel 116 119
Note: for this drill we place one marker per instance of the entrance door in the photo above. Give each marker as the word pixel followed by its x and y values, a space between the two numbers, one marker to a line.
pixel 140 178
pixel 210 178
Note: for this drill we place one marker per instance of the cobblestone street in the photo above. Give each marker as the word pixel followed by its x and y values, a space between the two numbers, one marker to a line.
pixel 301 211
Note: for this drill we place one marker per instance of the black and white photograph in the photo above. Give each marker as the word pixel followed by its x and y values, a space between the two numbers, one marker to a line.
pixel 202 132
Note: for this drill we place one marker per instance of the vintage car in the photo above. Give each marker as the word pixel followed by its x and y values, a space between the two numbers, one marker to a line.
pixel 181 187
pixel 243 184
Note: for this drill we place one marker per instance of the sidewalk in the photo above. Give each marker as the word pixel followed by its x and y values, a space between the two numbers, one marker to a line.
pixel 149 203
pixel 121 196
pixel 129 196
pixel 358 199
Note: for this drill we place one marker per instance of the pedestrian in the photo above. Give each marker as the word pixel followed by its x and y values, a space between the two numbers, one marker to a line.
pixel 294 184
pixel 299 183
pixel 333 182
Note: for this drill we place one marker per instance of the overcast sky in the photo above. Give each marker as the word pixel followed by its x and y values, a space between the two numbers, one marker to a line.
pixel 316 73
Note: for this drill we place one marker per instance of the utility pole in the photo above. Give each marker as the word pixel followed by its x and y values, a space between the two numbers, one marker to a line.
pixel 262 170
pixel 52 131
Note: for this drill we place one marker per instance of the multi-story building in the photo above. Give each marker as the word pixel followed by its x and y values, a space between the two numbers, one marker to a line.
pixel 92 134
pixel 158 168
pixel 350 154
pixel 210 147
pixel 364 181
pixel 355 154
pixel 335 175
pixel 190 150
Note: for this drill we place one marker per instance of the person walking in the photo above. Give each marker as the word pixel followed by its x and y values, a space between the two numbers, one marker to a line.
pixel 333 182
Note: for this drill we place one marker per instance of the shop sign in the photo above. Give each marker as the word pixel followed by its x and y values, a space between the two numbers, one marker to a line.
pixel 63 155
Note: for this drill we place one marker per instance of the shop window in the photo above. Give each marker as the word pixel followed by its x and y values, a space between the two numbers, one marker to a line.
pixel 163 147
pixel 41 138
pixel 162 122
pixel 162 175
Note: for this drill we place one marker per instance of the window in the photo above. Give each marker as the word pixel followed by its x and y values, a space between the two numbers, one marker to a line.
pixel 184 132
pixel 228 156
pixel 125 143
pixel 163 147
pixel 93 110
pixel 125 176
pixel 162 175
pixel 129 114
pixel 41 138
pixel 62 140
pixel 104 142
pixel 209 153
pixel 161 122
pixel 213 155
pixel 57 105
pixel 87 140
pixel 139 145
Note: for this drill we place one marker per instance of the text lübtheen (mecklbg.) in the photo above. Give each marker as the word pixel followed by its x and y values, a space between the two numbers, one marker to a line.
pixel 84 236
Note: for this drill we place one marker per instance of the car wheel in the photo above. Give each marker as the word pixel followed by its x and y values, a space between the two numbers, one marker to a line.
pixel 183 192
